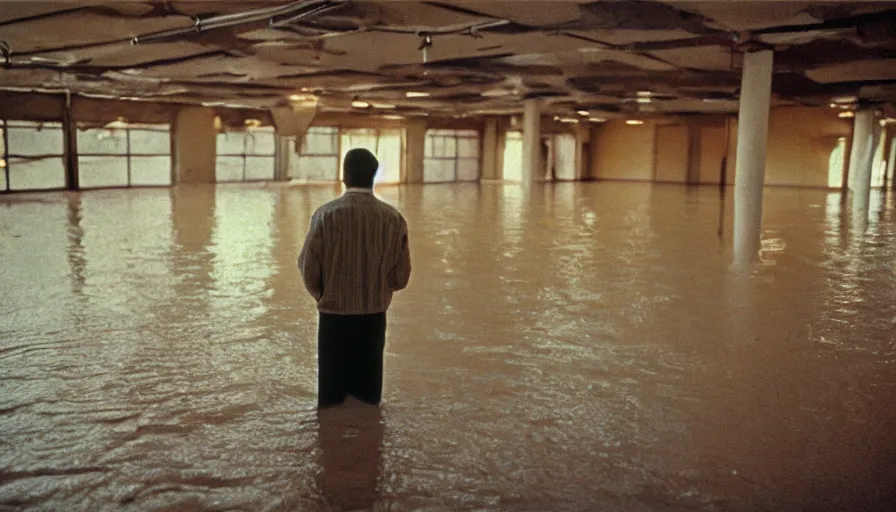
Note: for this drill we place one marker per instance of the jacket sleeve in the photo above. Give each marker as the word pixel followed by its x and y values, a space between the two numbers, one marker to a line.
pixel 311 259
pixel 401 272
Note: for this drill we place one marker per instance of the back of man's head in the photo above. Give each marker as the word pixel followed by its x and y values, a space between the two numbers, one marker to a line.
pixel 359 168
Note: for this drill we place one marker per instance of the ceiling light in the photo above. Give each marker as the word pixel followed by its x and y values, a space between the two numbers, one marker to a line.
pixel 643 100
pixel 360 104
pixel 644 94
pixel 2 164
pixel 634 121
pixel 845 99
pixel 568 120
pixel 596 119
pixel 295 97
pixel 416 94
pixel 845 115
pixel 584 113
pixel 392 116
pixel 382 105
pixel 833 105
pixel 496 93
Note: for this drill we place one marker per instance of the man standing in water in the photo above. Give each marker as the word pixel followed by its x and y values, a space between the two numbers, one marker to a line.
pixel 354 257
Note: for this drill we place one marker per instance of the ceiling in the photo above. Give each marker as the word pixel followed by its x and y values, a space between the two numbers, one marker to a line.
pixel 603 59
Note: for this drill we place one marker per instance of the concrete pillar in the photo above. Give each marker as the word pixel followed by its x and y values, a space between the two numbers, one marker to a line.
pixel 752 139
pixel 194 145
pixel 489 154
pixel 533 168
pixel 282 158
pixel 415 150
pixel 861 159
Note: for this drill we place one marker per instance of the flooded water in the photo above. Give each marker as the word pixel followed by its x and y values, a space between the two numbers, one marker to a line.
pixel 573 347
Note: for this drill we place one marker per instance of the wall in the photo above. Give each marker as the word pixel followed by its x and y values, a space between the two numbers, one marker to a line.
pixel 712 152
pixel 624 152
pixel 671 160
pixel 800 141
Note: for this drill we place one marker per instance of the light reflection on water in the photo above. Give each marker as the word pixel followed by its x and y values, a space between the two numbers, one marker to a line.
pixel 571 347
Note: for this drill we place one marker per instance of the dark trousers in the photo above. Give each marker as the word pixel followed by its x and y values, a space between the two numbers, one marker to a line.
pixel 350 358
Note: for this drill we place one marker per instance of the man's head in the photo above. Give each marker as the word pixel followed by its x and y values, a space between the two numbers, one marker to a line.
pixel 359 168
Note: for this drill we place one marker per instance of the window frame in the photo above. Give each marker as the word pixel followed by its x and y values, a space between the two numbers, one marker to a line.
pixel 128 155
pixel 7 155
pixel 246 155
pixel 433 135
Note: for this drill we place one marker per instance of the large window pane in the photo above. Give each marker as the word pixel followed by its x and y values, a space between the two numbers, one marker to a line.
pixel 316 168
pixel 150 142
pixel 259 168
pixel 261 142
pixel 318 155
pixel 468 169
pixel 229 168
pixel 151 170
pixel 468 147
pixel 41 173
pixel 436 170
pixel 102 141
pixel 32 139
pixel 231 143
pixel 565 156
pixel 321 141
pixel 513 157
pixel 451 155
pixel 102 171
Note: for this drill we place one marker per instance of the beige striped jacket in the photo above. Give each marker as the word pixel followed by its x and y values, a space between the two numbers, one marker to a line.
pixel 355 254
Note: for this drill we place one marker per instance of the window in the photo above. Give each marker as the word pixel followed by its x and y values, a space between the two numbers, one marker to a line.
pixel 513 156
pixel 318 156
pixel 31 156
pixel 835 164
pixel 246 156
pixel 451 155
pixel 385 144
pixel 563 156
pixel 124 156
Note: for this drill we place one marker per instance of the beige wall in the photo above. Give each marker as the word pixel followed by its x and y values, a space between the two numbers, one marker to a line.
pixel 671 160
pixel 800 141
pixel 712 152
pixel 623 152
pixel 195 142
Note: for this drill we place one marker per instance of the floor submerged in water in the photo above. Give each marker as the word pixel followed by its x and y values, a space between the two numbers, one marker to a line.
pixel 570 347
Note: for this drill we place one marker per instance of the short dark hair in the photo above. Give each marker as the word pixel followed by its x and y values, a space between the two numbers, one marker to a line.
pixel 359 167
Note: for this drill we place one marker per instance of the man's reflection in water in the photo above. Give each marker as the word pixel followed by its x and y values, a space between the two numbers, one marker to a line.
pixel 351 439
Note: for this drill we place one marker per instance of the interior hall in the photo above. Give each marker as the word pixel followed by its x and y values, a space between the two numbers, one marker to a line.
pixel 653 246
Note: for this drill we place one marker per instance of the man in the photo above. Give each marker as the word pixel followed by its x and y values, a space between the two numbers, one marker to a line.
pixel 354 257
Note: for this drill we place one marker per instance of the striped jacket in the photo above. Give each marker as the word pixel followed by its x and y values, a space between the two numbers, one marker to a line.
pixel 355 254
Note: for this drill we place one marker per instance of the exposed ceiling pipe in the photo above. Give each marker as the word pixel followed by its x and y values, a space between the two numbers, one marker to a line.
pixel 293 11
pixel 471 30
